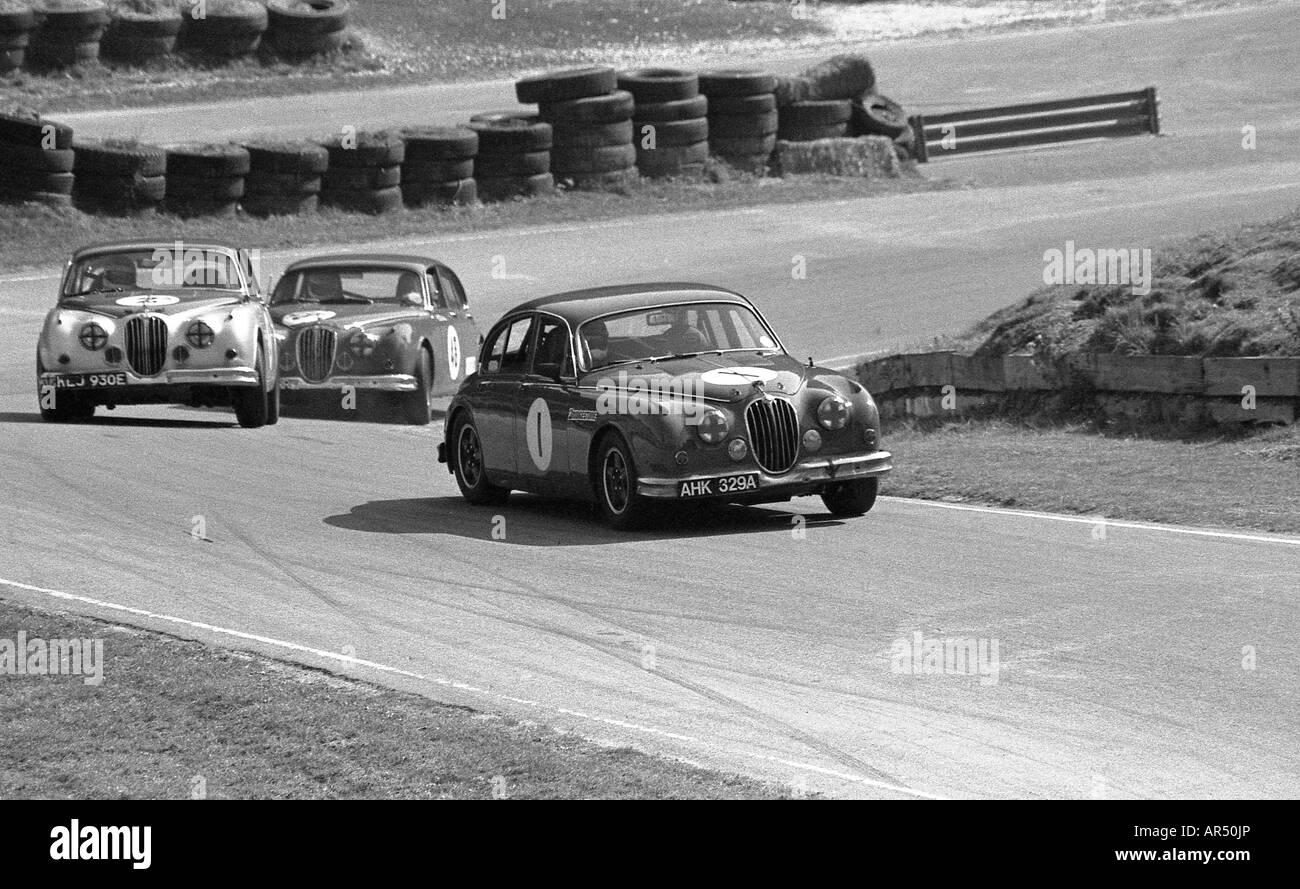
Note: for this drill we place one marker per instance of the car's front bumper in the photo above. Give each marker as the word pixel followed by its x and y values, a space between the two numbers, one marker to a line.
pixel 381 382
pixel 805 476
pixel 124 379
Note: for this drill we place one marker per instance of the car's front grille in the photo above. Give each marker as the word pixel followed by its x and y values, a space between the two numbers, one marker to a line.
pixel 146 344
pixel 773 433
pixel 316 353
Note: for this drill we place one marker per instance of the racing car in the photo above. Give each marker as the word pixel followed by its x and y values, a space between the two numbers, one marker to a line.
pixel 154 322
pixel 638 396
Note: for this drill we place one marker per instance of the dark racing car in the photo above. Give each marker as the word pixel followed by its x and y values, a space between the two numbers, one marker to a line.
pixel 639 395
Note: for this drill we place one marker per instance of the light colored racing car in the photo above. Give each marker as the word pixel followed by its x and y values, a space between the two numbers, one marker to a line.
pixel 153 322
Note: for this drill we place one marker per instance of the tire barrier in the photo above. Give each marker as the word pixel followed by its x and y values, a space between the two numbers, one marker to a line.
pixel 814 119
pixel 119 177
pixel 16 26
pixel 304 28
pixel 36 161
pixel 514 155
pixel 67 33
pixel 284 178
pixel 229 29
pixel 365 172
pixel 439 167
pixel 205 179
pixel 140 37
pixel 742 117
pixel 591 125
pixel 670 126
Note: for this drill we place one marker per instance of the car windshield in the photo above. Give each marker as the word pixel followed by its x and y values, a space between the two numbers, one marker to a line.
pixel 672 331
pixel 343 284
pixel 173 269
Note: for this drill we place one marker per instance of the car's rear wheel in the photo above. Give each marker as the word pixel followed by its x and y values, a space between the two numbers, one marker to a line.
pixel 615 485
pixel 417 406
pixel 253 403
pixel 468 465
pixel 853 498
pixel 64 407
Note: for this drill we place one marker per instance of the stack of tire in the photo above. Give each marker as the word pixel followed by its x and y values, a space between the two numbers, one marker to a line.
pixel 15 31
pixel 742 117
pixel 877 115
pixel 68 32
pixel 36 161
pixel 204 179
pixel 439 166
pixel 591 121
pixel 850 76
pixel 138 37
pixel 669 121
pixel 222 29
pixel 514 155
pixel 365 172
pixel 119 177
pixel 814 119
pixel 302 28
pixel 284 178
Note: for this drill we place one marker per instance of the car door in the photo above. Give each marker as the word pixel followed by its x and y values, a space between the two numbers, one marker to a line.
pixel 543 433
pixel 506 356
pixel 462 334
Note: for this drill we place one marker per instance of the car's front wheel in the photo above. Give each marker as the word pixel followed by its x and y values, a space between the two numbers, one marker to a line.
pixel 468 465
pixel 615 482
pixel 853 498
pixel 59 407
pixel 417 406
pixel 253 403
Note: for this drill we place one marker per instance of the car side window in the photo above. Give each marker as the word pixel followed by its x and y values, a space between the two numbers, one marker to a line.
pixel 553 358
pixel 518 353
pixel 450 285
pixel 436 291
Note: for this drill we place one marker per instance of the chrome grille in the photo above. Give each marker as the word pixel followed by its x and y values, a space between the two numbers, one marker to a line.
pixel 316 353
pixel 773 433
pixel 146 344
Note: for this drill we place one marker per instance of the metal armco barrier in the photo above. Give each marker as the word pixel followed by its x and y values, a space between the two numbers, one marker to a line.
pixel 1036 123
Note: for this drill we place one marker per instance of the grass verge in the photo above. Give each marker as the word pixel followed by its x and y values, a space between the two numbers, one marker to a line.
pixel 172 717
pixel 1249 481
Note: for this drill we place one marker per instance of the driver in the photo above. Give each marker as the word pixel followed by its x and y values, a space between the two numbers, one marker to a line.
pixel 408 289
pixel 323 286
pixel 683 337
pixel 595 340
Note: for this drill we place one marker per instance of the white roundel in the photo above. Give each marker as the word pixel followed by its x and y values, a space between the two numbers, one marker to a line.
pixel 738 376
pixel 148 300
pixel 538 434
pixel 294 319
pixel 453 352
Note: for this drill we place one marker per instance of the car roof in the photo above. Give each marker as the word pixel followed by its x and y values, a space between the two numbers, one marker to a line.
pixel 146 243
pixel 370 260
pixel 576 306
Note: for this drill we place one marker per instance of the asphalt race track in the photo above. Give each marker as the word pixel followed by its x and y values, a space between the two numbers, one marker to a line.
pixel 755 640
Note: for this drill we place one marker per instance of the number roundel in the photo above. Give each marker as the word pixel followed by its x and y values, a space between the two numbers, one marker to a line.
pixel 538 434
pixel 453 352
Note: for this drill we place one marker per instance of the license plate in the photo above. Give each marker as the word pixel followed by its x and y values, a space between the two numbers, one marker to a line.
pixel 713 487
pixel 85 381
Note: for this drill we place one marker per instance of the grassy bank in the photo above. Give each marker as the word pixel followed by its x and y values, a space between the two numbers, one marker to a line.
pixel 172 718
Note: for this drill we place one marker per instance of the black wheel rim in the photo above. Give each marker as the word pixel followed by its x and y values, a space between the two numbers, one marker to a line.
pixel 615 478
pixel 469 457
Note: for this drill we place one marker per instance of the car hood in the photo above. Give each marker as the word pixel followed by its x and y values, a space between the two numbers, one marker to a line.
pixel 733 376
pixel 340 315
pixel 120 305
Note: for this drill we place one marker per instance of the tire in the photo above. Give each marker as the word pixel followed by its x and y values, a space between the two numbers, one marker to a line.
pixel 296 158
pixel 440 194
pixel 379 149
pixel 659 84
pixel 273 405
pixel 812 134
pixel 263 205
pixel 442 171
pixel 353 178
pixel 593 135
pixel 30 130
pixel 613 108
pixel 64 55
pixel 54 160
pixel 683 109
pixel 308 16
pixel 844 76
pixel 68 408
pixel 792 89
pixel 467 465
pixel 91 15
pixel 28 180
pixel 119 194
pixel 736 83
pixel 565 86
pixel 252 405
pixel 852 498
pixel 673 133
pixel 618 181
pixel 294 45
pixel 118 158
pixel 17 20
pixel 763 145
pixel 374 202
pixel 194 160
pixel 243 19
pixel 12 59
pixel 746 106
pixel 282 184
pixel 503 116
pixel 609 159
pixel 878 116
pixel 507 136
pixel 508 187
pixel 137 49
pixel 438 144
pixel 496 166
pixel 190 208
pixel 672 161
pixel 188 188
pixel 14 39
pixel 816 113
pixel 417 407
pixel 614 485
pixel 753 126
pixel 221 46
pixel 131 25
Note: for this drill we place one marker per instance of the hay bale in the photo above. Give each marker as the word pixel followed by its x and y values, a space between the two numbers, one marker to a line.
pixel 844 76
pixel 869 156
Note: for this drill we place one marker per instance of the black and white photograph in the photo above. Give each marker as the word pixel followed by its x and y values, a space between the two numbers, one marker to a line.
pixel 876 401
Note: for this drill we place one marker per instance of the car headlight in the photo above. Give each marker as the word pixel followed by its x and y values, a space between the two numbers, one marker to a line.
pixel 713 426
pixel 92 336
pixel 834 412
pixel 199 334
pixel 362 344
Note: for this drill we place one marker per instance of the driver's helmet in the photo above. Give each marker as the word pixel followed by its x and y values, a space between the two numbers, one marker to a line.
pixel 408 284
pixel 595 339
pixel 118 271
pixel 323 285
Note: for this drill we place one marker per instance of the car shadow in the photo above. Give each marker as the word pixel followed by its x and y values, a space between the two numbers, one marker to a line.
pixel 103 419
pixel 529 520
pixel 328 406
